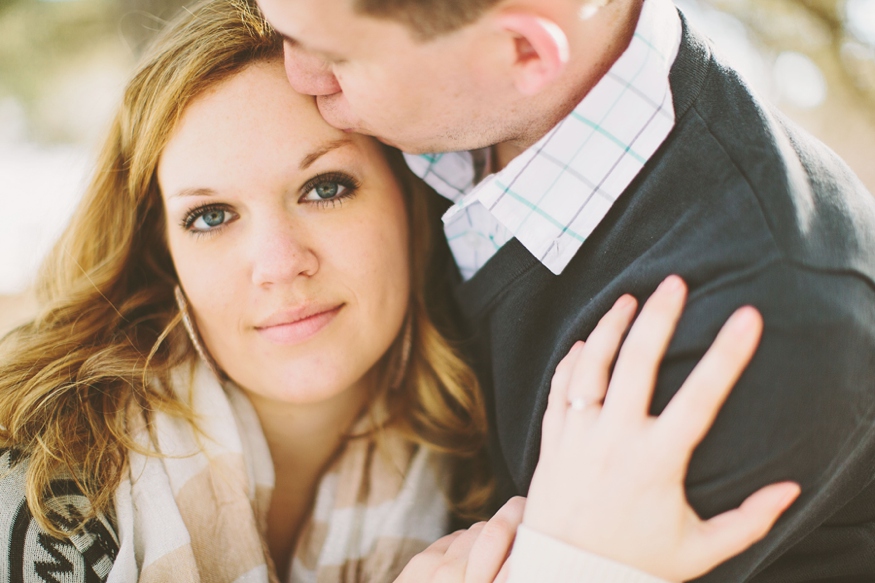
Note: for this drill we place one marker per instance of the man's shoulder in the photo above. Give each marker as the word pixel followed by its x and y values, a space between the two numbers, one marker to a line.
pixel 732 155
pixel 30 553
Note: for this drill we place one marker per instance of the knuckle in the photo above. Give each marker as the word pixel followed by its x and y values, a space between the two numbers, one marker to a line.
pixel 642 344
pixel 563 365
pixel 493 541
pixel 696 404
pixel 605 350
pixel 448 571
pixel 477 527
pixel 498 527
pixel 448 539
pixel 423 562
pixel 494 529
pixel 760 530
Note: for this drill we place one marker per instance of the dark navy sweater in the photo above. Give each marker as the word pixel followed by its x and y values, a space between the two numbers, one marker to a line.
pixel 748 210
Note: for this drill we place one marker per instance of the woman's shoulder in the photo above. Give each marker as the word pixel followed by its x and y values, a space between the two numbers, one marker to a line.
pixel 30 553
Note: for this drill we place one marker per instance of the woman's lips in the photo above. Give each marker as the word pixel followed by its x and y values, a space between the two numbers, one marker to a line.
pixel 298 331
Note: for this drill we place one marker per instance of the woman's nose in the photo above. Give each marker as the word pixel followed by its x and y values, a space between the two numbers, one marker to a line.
pixel 280 256
pixel 308 73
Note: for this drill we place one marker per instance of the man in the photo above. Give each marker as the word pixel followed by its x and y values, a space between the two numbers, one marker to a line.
pixel 601 146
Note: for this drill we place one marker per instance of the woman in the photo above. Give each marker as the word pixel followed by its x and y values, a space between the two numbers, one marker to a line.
pixel 238 373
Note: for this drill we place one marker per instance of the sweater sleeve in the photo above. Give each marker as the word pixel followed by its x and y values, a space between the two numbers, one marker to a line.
pixel 538 557
pixel 30 555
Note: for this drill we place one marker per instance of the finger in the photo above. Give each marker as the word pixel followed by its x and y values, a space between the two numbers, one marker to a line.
pixel 592 369
pixel 690 413
pixel 428 560
pixel 493 544
pixel 730 533
pixel 460 548
pixel 631 387
pixel 557 401
pixel 504 573
pixel 441 545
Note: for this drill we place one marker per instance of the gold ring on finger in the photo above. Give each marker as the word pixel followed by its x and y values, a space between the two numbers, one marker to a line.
pixel 581 403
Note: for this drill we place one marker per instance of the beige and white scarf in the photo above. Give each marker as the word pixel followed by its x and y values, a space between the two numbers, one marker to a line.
pixel 197 512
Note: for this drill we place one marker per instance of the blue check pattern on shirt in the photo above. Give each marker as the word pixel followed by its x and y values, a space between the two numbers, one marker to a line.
pixel 553 195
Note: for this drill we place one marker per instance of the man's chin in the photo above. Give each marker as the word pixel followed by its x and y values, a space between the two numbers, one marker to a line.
pixel 387 141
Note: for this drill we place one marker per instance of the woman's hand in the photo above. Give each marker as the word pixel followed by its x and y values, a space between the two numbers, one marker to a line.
pixel 610 479
pixel 476 555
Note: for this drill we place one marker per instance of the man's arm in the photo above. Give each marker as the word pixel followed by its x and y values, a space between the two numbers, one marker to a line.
pixel 803 411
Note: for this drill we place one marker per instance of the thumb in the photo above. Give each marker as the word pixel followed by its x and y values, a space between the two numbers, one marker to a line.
pixel 492 547
pixel 504 574
pixel 732 532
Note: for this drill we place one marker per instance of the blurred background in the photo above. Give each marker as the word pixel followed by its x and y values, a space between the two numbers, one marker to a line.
pixel 63 64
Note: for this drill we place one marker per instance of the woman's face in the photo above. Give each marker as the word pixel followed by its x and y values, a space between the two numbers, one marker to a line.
pixel 290 238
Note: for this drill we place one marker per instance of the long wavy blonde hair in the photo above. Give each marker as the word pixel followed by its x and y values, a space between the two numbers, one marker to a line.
pixel 108 335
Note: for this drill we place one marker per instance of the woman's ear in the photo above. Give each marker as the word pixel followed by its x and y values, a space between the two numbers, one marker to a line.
pixel 540 49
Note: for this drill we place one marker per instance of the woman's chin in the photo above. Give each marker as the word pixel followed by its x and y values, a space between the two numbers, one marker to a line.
pixel 302 384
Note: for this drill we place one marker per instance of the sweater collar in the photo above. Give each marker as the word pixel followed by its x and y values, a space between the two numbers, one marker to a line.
pixel 553 195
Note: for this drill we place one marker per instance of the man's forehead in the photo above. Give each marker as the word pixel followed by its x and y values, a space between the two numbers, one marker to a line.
pixel 307 20
pixel 334 29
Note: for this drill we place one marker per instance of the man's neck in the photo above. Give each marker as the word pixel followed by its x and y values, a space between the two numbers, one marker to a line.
pixel 503 153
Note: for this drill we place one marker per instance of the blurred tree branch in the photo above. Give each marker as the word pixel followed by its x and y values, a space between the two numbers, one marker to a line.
pixel 815 28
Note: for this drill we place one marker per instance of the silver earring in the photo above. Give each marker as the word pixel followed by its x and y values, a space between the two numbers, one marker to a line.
pixel 193 335
pixel 406 346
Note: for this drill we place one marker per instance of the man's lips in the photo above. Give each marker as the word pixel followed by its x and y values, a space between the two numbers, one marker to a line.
pixel 296 326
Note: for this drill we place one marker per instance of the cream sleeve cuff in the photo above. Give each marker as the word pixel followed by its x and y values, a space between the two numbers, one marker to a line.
pixel 538 558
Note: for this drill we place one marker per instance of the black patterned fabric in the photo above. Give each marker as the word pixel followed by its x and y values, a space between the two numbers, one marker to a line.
pixel 32 556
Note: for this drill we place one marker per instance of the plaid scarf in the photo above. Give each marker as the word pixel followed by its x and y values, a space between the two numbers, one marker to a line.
pixel 198 512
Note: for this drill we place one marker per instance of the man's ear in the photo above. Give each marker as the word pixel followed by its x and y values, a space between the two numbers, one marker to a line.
pixel 540 49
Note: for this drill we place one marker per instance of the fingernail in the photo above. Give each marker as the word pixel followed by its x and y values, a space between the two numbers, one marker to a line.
pixel 743 320
pixel 624 303
pixel 671 284
pixel 791 495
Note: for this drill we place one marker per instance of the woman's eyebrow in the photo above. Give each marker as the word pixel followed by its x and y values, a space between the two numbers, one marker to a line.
pixel 310 158
pixel 193 192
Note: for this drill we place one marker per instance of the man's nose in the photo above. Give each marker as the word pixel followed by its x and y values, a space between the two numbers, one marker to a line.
pixel 308 73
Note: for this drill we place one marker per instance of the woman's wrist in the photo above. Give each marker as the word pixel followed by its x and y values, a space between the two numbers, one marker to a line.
pixel 538 557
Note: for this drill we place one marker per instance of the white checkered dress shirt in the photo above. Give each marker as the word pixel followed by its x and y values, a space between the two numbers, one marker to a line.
pixel 553 195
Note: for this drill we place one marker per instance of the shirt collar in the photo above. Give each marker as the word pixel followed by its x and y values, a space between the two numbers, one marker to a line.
pixel 553 195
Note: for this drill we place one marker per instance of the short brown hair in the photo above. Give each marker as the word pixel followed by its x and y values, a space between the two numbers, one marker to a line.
pixel 427 18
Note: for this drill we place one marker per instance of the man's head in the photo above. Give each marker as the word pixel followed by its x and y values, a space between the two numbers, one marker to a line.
pixel 438 75
pixel 426 19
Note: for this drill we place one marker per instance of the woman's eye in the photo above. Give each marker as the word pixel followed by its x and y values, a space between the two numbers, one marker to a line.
pixel 329 189
pixel 325 191
pixel 212 218
pixel 207 219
